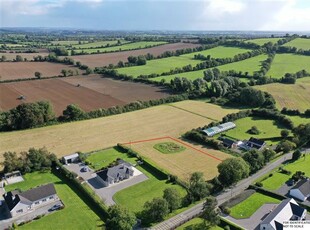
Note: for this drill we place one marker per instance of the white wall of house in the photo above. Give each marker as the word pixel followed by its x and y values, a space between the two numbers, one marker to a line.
pixel 44 201
pixel 266 227
pixel 20 208
pixel 297 194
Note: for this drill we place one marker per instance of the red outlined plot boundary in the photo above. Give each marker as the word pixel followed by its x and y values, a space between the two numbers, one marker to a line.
pixel 174 139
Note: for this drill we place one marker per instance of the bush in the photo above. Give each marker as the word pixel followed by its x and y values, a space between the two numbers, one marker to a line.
pixel 259 184
pixel 226 210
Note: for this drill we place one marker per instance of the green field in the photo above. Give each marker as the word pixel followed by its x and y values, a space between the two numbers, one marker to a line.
pixel 75 215
pixel 158 66
pixel 299 43
pixel 97 44
pixel 295 96
pixel 249 65
pixel 129 46
pixel 219 52
pixel 66 43
pixel 103 158
pixel 278 179
pixel 262 41
pixel 288 63
pixel 248 207
pixel 297 120
pixel 267 128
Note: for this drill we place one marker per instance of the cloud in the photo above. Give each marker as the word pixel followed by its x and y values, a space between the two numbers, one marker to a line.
pixel 222 7
pixel 39 7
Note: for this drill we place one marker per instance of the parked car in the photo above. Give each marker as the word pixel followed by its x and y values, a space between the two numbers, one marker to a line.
pixel 55 207
pixel 84 169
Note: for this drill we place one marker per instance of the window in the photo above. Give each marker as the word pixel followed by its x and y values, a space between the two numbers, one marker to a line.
pixel 19 211
pixel 51 197
pixel 38 202
pixel 43 200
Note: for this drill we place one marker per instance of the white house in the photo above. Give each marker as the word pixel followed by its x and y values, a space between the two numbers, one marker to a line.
pixel 301 190
pixel 23 202
pixel 287 210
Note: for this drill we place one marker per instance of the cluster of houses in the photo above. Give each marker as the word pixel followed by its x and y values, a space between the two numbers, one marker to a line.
pixel 252 143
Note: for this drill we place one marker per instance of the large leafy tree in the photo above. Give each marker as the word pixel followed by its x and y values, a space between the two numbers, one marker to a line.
pixel 232 170
pixel 155 210
pixel 198 188
pixel 173 197
pixel 120 218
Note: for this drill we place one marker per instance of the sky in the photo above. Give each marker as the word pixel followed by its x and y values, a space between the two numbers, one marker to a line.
pixel 248 15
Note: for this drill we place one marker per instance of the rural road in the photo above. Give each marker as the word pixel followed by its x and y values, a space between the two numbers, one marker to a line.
pixel 183 217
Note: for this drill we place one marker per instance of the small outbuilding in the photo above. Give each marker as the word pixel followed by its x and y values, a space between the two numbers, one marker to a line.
pixel 73 158
pixel 301 190
pixel 228 143
pixel 219 129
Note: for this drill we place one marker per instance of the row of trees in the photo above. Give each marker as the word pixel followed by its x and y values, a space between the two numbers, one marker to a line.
pixel 290 78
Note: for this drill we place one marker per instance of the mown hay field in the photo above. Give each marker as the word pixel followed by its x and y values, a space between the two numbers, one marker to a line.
pixel 295 96
pixel 299 43
pixel 249 65
pixel 124 47
pixel 288 63
pixel 90 135
pixel 182 164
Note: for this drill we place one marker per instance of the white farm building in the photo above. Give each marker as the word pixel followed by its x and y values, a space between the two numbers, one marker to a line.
pixel 218 129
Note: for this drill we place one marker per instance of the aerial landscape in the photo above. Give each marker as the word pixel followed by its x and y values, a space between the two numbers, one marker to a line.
pixel 162 115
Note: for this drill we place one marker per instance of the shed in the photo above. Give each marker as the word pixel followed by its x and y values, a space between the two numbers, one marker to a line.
pixel 73 158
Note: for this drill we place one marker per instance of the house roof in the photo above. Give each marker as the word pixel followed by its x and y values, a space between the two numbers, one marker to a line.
pixel 283 212
pixel 117 171
pixel 74 155
pixel 228 141
pixel 256 141
pixel 303 186
pixel 39 192
pixel 11 199
pixel 218 129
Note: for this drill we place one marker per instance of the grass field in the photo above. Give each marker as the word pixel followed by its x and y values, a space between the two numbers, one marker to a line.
pixel 267 128
pixel 297 120
pixel 158 66
pixel 219 52
pixel 63 43
pixel 183 164
pixel 248 207
pixel 295 96
pixel 249 65
pixel 129 46
pixel 288 63
pixel 75 215
pixel 103 158
pixel 278 179
pixel 262 41
pixel 90 135
pixel 299 43
pixel 97 44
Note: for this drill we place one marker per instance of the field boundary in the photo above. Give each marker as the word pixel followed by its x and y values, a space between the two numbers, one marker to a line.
pixel 212 119
pixel 174 139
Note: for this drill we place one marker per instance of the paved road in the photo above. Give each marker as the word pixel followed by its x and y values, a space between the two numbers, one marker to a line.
pixel 183 217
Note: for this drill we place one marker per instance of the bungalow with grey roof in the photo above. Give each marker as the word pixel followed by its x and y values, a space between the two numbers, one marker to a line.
pixel 301 190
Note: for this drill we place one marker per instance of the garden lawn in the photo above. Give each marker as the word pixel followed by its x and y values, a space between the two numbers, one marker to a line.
pixel 248 207
pixel 75 215
pixel 249 65
pixel 267 128
pixel 278 179
pixel 297 120
pixel 135 196
pixel 103 158
pixel 129 46
pixel 158 66
pixel 262 41
pixel 219 52
pixel 299 43
pixel 288 63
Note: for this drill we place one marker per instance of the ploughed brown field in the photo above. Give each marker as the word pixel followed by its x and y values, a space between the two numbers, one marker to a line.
pixel 29 56
pixel 99 60
pixel 20 70
pixel 61 93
